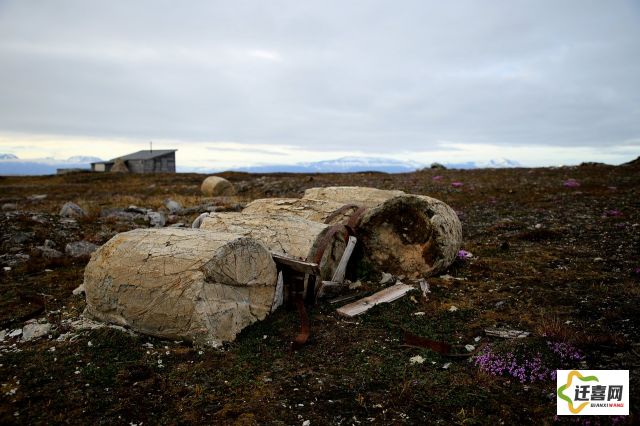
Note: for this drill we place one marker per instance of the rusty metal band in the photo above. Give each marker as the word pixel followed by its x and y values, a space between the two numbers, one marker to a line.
pixel 354 220
pixel 305 328
pixel 327 239
pixel 340 211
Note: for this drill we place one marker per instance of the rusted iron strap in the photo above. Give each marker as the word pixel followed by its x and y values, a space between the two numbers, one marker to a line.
pixel 443 348
pixel 340 211
pixel 411 339
pixel 326 240
pixel 354 220
pixel 305 328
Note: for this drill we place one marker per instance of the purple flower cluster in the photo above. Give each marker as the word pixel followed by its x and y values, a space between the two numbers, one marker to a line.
pixel 566 352
pixel 612 213
pixel 508 364
pixel 523 362
pixel 464 255
pixel 457 184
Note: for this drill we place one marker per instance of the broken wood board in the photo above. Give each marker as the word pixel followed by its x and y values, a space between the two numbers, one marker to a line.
pixel 296 264
pixel 387 295
pixel 506 333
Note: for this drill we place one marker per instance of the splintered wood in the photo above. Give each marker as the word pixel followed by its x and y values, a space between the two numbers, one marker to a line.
pixel 387 295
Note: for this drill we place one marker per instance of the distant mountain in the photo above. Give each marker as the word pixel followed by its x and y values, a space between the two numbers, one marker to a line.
pixel 340 165
pixel 77 159
pixel 12 165
pixel 500 163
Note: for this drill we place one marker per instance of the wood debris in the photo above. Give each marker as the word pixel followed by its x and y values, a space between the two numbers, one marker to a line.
pixel 387 295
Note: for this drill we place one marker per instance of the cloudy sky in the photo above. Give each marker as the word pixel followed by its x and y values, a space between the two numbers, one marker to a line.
pixel 236 83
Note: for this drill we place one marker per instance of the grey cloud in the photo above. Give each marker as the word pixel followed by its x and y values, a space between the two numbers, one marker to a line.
pixel 377 75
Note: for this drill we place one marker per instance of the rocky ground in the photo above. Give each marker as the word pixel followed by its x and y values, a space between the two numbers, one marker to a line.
pixel 555 253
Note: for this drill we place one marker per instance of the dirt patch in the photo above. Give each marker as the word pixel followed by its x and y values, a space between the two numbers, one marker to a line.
pixel 546 259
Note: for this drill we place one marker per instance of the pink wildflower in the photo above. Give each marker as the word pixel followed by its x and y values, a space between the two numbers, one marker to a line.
pixel 571 183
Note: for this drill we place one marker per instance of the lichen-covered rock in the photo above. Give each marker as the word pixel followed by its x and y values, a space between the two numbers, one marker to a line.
pixel 187 284
pixel 72 210
pixel 216 186
pixel 80 249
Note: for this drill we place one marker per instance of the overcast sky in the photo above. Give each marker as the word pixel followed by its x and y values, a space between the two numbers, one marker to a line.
pixel 244 82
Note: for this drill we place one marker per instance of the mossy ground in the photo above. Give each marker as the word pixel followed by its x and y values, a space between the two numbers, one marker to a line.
pixel 547 259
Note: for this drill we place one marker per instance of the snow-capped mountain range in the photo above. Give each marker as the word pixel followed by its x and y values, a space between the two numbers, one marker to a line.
pixel 12 165
pixel 363 164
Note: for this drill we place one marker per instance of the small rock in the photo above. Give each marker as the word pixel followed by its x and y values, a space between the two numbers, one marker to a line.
pixel 355 285
pixel 80 249
pixel 79 290
pixel 16 332
pixel 306 423
pixel 21 237
pixel 424 286
pixel 198 221
pixel 469 348
pixel 453 308
pixel 9 206
pixel 416 359
pixel 418 314
pixel 72 210
pixel 500 303
pixel 37 197
pixel 6 268
pixel 157 220
pixel 49 253
pixel 33 330
pixel 135 209
pixel 49 244
pixel 446 366
pixel 173 206
pixel 386 278
pixel 3 334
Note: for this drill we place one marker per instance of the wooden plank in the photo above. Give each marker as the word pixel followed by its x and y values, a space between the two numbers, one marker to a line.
pixel 387 295
pixel 341 270
pixel 295 264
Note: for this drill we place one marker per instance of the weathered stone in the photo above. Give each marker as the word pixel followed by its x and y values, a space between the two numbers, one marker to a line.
pixel 9 206
pixel 80 249
pixel 119 166
pixel 189 284
pixel 21 237
pixel 215 186
pixel 49 253
pixel 72 210
pixel 33 330
pixel 156 219
pixel 173 206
